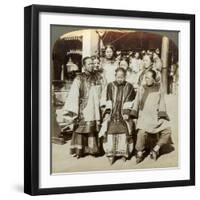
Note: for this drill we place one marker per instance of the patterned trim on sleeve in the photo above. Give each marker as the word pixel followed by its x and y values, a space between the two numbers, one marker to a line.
pixel 134 114
pixel 163 115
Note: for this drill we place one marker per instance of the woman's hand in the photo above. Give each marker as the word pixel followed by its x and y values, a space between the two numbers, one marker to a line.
pixel 161 121
pixel 106 116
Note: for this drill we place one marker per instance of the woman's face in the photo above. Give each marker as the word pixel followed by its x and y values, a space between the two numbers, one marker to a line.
pixel 109 53
pixel 120 77
pixel 155 56
pixel 136 55
pixel 123 64
pixel 96 63
pixel 89 65
pixel 146 61
pixel 149 79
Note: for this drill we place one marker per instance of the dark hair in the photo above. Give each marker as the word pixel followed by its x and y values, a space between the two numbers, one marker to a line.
pixel 153 73
pixel 95 57
pixel 150 57
pixel 111 47
pixel 84 59
pixel 120 69
pixel 124 59
pixel 138 53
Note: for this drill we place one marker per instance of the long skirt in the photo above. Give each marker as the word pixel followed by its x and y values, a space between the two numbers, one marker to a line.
pixel 117 145
pixel 84 143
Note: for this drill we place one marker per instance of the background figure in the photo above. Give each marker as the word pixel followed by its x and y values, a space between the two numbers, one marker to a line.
pixel 137 66
pixel 96 63
pixel 136 63
pixel 82 107
pixel 150 53
pixel 108 64
pixel 125 65
pixel 173 78
pixel 98 68
pixel 118 57
pixel 157 62
pixel 150 110
pixel 148 65
pixel 117 128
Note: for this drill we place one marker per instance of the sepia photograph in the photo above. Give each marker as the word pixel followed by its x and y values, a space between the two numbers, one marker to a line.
pixel 114 99
pixel 109 100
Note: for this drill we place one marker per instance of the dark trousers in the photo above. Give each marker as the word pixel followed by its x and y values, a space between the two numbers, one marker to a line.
pixel 163 138
pixel 84 143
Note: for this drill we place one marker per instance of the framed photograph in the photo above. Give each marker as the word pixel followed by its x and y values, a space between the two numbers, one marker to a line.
pixel 109 99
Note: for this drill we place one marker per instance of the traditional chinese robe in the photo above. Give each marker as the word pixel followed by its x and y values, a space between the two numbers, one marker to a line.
pixel 109 67
pixel 117 131
pixel 83 105
pixel 149 106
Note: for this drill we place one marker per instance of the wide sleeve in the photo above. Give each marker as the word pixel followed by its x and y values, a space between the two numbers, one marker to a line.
pixel 103 91
pixel 136 103
pixel 108 103
pixel 71 106
pixel 104 81
pixel 162 113
pixel 128 104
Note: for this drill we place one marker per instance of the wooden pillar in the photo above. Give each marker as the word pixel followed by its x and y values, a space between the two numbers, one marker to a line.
pixel 164 57
pixel 90 42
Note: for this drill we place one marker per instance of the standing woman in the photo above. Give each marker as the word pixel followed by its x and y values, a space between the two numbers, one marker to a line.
pixel 136 66
pixel 136 63
pixel 82 109
pixel 125 65
pixel 108 64
pixel 117 127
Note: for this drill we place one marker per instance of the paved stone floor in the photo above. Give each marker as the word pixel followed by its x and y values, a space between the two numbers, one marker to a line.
pixel 63 162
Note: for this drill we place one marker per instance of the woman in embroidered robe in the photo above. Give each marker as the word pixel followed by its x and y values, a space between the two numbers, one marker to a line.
pixel 83 107
pixel 117 128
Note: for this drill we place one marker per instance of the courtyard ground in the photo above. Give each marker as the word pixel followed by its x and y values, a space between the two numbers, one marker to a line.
pixel 63 162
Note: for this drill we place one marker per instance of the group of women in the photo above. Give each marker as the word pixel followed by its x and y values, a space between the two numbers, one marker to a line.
pixel 109 101
pixel 134 64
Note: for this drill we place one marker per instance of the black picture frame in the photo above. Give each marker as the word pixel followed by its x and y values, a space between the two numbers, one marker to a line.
pixel 31 99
